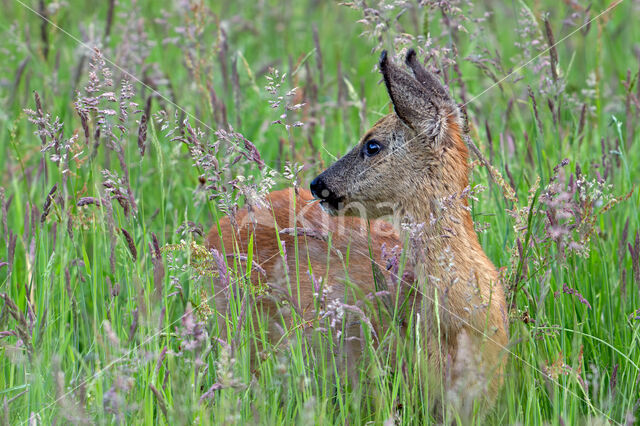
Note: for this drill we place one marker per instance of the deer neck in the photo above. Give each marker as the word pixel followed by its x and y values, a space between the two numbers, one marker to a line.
pixel 442 239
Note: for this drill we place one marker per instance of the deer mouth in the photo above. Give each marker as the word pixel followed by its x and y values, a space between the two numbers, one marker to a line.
pixel 332 205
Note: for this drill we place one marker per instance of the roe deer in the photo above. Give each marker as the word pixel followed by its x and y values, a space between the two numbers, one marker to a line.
pixel 411 164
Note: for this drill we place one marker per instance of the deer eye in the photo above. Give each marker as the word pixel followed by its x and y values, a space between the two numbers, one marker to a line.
pixel 372 148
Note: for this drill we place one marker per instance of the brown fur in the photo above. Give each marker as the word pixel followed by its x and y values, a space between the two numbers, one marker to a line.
pixel 346 280
pixel 419 175
pixel 348 235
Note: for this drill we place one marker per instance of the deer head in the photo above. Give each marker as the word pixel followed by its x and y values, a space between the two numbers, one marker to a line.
pixel 408 159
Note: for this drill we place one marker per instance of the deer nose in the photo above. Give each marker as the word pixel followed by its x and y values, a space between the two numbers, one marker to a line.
pixel 319 189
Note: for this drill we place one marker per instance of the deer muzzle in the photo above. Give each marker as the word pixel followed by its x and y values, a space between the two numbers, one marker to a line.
pixel 329 200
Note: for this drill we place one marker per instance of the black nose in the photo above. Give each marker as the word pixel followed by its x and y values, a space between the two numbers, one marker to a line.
pixel 319 189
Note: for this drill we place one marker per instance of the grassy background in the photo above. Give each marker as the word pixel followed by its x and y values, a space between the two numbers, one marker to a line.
pixel 90 335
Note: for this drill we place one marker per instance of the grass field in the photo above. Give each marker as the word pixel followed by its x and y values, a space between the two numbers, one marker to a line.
pixel 124 128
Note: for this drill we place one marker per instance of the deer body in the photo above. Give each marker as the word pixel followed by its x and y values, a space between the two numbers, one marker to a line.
pixel 323 270
pixel 305 221
pixel 412 164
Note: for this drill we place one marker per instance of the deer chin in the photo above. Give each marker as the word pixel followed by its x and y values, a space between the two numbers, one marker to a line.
pixel 343 206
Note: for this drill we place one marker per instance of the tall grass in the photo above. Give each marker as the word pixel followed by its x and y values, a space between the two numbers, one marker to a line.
pixel 126 126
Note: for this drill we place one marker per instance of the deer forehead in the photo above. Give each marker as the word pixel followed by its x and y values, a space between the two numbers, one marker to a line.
pixel 384 128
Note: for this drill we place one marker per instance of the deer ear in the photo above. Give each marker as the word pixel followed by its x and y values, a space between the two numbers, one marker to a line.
pixel 420 102
pixel 429 81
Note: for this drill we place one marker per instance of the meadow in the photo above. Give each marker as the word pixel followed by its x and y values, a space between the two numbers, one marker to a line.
pixel 129 128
